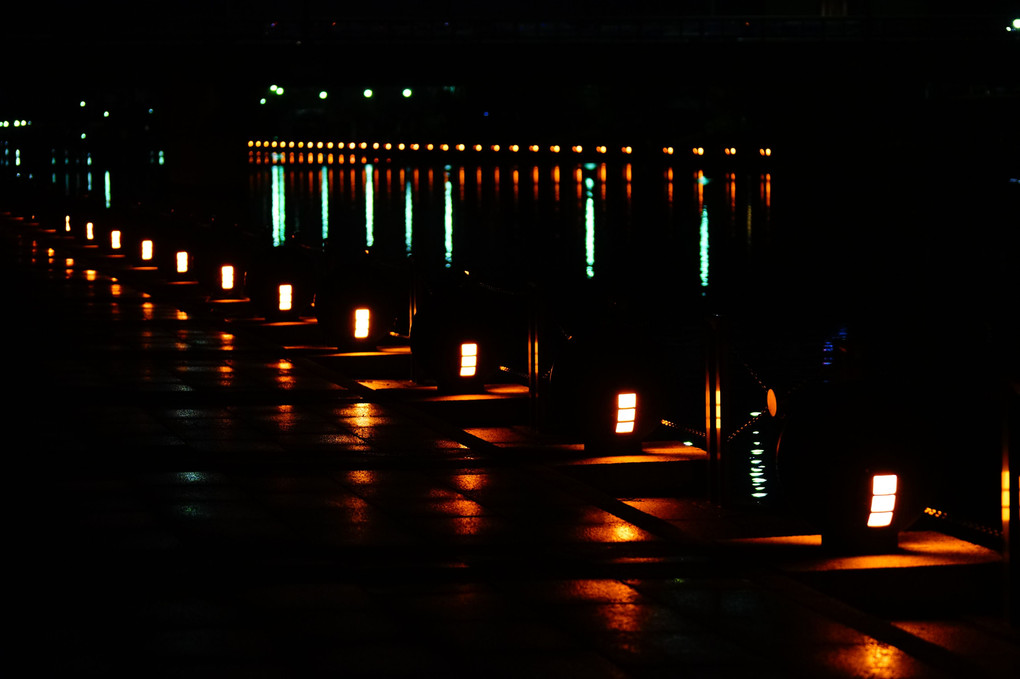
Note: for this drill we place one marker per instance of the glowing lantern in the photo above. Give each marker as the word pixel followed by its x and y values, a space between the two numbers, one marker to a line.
pixel 182 262
pixel 468 359
pixel 626 413
pixel 115 240
pixel 89 231
pixel 361 319
pixel 146 250
pixel 227 277
pixel 883 500
pixel 1005 498
pixel 286 297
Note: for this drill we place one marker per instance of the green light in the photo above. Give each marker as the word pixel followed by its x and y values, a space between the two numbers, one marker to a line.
pixel 323 94
pixel 272 88
pixel 407 93
pixel 1016 23
pixel 262 100
pixel 368 94
pixel 82 103
pixel 279 90
pixel 106 114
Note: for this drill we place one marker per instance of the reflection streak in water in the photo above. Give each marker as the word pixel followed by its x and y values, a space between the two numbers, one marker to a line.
pixel 324 195
pixel 408 210
pixel 541 231
pixel 589 227
pixel 369 207
pixel 448 218
pixel 278 198
pixel 703 247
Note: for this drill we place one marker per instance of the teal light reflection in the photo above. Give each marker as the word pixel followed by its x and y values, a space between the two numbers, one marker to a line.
pixel 324 193
pixel 369 207
pixel 448 216
pixel 589 226
pixel 759 482
pixel 704 247
pixel 408 216
pixel 106 187
pixel 279 205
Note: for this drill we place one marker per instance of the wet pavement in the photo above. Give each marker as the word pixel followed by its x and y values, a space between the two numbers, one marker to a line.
pixel 195 495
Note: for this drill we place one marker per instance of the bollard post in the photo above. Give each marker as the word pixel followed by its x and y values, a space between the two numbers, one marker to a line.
pixel 714 352
pixel 534 372
pixel 1010 493
pixel 412 309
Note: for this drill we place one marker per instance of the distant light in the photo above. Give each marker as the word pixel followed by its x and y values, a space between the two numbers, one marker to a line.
pixel 407 93
pixel 115 240
pixel 106 114
pixel 1016 23
pixel 82 135
pixel 82 103
pixel 146 250
pixel 272 88
pixel 262 100
pixel 227 277
pixel 323 94
pixel 89 233
pixel 182 262
pixel 368 94
pixel 279 90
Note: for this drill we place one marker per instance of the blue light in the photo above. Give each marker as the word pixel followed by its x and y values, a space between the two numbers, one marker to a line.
pixel 448 217
pixel 589 227
pixel 324 191
pixel 704 247
pixel 369 208
pixel 279 206
pixel 408 218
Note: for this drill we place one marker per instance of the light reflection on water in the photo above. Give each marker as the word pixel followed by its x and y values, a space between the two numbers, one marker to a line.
pixel 620 226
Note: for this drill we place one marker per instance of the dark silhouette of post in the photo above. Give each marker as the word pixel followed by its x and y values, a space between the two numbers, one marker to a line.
pixel 714 370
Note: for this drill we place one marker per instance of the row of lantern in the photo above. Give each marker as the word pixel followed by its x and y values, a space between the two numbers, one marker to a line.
pixel 355 147
pixel 609 392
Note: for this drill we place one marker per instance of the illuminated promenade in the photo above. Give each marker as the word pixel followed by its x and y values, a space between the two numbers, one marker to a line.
pixel 197 494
